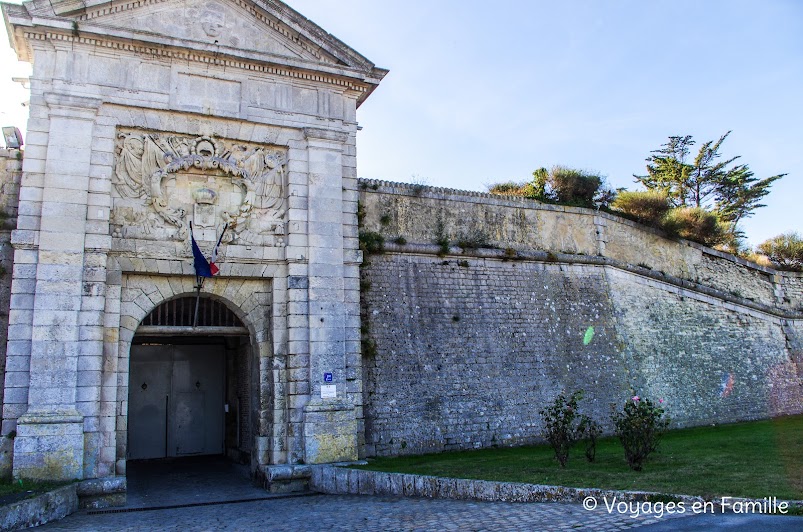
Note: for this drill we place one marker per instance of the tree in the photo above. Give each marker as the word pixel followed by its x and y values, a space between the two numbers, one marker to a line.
pixel 729 190
pixel 668 170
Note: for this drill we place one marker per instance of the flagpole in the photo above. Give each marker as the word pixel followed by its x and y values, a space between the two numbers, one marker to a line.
pixel 203 268
pixel 199 284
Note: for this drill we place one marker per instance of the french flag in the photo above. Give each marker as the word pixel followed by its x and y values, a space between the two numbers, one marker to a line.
pixel 212 260
pixel 203 267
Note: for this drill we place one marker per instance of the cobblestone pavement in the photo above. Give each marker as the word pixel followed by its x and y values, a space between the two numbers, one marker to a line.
pixel 207 491
pixel 354 512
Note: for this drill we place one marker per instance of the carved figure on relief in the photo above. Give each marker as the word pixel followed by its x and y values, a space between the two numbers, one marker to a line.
pixel 160 179
pixel 212 21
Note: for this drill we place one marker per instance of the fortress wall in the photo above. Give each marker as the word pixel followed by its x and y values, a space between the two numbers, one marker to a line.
pixel 10 176
pixel 463 350
pixel 423 215
pixel 467 355
pixel 729 274
pixel 792 284
pixel 416 213
pixel 714 362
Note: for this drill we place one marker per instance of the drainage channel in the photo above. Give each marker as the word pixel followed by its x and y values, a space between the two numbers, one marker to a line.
pixel 211 503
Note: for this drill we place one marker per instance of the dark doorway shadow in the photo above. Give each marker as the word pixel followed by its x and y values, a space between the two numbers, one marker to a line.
pixel 188 481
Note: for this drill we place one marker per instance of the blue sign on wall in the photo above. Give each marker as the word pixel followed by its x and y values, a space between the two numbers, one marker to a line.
pixel 327 377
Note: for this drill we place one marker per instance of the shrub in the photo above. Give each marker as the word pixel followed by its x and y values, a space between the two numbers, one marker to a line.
pixel 371 242
pixel 785 251
pixel 639 426
pixel 561 423
pixel 605 197
pixel 512 188
pixel 589 430
pixel 758 258
pixel 566 186
pixel 574 187
pixel 507 188
pixel 695 223
pixel 646 206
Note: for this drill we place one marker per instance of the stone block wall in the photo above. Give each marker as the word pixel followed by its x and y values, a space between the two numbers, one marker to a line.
pixel 733 275
pixel 712 361
pixel 10 176
pixel 468 349
pixel 464 347
pixel 792 284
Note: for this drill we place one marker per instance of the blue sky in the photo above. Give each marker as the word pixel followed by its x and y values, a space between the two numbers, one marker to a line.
pixel 482 92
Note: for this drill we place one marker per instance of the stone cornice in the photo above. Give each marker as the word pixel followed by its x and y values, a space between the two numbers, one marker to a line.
pixel 275 14
pixel 254 61
pixel 72 106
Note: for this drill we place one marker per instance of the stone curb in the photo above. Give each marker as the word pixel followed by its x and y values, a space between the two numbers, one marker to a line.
pixel 41 509
pixel 343 481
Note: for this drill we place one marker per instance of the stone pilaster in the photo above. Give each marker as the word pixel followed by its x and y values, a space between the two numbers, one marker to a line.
pixel 50 439
pixel 330 428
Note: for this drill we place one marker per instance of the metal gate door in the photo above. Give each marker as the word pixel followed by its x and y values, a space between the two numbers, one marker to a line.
pixel 175 405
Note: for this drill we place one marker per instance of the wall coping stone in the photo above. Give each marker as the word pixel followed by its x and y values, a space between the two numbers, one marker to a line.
pixel 338 480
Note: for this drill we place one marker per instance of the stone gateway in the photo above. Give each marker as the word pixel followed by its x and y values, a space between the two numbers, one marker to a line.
pixel 146 116
pixel 151 115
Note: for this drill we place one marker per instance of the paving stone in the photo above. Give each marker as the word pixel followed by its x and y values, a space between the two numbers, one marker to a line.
pixel 355 512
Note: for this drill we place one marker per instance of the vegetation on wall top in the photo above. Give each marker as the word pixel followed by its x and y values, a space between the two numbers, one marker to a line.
pixel 784 251
pixel 703 200
pixel 560 185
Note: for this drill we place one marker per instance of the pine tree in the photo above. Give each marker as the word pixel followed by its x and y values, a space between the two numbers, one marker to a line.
pixel 729 190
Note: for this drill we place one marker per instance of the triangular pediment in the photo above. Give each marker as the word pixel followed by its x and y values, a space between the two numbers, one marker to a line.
pixel 230 23
pixel 265 33
pixel 252 26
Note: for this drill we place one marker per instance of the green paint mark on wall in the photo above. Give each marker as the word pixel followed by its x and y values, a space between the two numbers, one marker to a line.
pixel 589 335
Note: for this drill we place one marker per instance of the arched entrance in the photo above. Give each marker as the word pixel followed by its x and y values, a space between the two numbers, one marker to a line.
pixel 191 390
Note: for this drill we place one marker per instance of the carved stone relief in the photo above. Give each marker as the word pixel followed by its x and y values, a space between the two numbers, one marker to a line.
pixel 165 181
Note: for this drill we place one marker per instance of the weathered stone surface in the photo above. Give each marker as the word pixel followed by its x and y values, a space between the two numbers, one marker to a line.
pixel 102 492
pixel 49 446
pixel 330 432
pixel 461 351
pixel 148 117
pixel 39 510
pixel 10 179
pixel 151 115
pixel 423 215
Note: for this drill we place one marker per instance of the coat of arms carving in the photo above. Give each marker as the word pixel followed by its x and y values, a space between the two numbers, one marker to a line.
pixel 164 181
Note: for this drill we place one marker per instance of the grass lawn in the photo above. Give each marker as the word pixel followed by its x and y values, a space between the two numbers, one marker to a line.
pixel 755 459
pixel 15 490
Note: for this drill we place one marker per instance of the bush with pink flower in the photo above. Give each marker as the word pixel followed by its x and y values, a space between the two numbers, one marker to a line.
pixel 640 425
